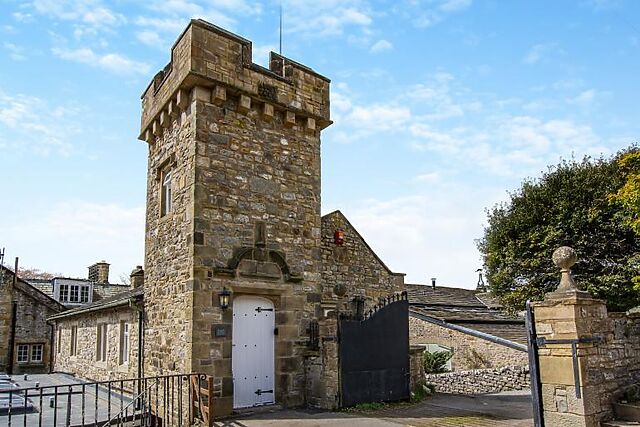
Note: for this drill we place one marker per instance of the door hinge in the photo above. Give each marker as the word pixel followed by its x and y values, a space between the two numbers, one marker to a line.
pixel 275 331
pixel 260 309
pixel 259 392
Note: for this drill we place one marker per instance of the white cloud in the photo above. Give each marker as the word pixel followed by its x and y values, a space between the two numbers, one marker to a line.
pixel 56 237
pixel 584 98
pixel 15 52
pixel 509 145
pixel 380 46
pixel 30 123
pixel 426 13
pixel 88 12
pixel 379 116
pixel 169 25
pixel 455 5
pixel 326 18
pixel 427 234
pixel 113 62
pixel 22 17
pixel 260 54
pixel 540 52
pixel 150 38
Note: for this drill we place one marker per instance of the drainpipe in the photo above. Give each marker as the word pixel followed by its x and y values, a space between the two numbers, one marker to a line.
pixel 140 341
pixel 52 345
pixel 14 315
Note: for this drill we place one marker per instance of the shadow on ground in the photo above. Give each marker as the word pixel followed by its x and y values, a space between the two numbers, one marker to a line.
pixel 511 409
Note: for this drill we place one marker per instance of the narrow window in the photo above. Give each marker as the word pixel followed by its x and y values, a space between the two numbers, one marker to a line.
pixel 23 353
pixel 64 293
pixel 84 294
pixel 165 197
pixel 59 343
pixel 124 343
pixel 74 341
pixel 101 343
pixel 36 353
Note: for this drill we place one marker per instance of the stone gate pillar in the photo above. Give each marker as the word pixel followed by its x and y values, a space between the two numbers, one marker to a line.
pixel 569 323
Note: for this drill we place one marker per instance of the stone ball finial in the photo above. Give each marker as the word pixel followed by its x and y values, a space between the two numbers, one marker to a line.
pixel 564 257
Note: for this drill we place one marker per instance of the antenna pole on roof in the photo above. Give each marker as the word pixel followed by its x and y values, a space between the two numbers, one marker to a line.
pixel 280 28
pixel 2 266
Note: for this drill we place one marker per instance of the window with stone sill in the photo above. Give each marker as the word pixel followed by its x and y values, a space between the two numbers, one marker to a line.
pixel 101 342
pixel 124 343
pixel 166 192
pixel 73 344
pixel 23 353
pixel 36 353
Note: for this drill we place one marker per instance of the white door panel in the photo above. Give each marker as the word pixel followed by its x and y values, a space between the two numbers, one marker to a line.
pixel 253 351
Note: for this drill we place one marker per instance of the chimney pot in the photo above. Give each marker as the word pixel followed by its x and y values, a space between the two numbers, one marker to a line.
pixel 137 277
pixel 433 282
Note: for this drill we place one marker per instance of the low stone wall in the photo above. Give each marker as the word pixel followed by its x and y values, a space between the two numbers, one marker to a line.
pixel 481 381
pixel 468 352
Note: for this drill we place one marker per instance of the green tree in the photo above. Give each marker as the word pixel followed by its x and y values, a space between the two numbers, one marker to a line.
pixel 628 197
pixel 570 204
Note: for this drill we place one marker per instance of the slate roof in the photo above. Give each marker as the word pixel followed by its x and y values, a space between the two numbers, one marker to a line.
pixel 467 309
pixel 118 300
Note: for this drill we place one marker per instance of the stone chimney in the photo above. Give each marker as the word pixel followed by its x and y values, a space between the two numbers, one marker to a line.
pixel 99 272
pixel 137 277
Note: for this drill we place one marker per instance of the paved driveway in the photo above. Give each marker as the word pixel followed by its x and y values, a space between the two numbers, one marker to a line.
pixel 509 409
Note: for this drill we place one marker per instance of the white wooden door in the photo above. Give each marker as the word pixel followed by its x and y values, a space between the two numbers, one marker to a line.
pixel 252 357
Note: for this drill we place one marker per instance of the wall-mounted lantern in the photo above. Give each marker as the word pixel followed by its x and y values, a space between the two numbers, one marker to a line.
pixel 224 296
pixel 338 237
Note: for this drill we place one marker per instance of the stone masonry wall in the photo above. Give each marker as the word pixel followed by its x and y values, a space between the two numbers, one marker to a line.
pixel 322 366
pixel 481 381
pixel 32 328
pixel 84 363
pixel 32 310
pixel 607 367
pixel 353 264
pixel 416 367
pixel 6 311
pixel 468 352
pixel 168 250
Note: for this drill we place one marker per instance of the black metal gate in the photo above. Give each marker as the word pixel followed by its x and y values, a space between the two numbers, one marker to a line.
pixel 534 367
pixel 374 354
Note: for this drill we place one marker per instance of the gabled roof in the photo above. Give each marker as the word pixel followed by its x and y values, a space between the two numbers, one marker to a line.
pixel 35 293
pixel 375 255
pixel 118 300
pixel 442 295
pixel 465 311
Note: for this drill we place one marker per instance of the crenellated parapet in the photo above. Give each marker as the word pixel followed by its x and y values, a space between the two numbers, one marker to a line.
pixel 211 64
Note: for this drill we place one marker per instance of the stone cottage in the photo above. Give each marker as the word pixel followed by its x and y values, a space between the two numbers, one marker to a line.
pixel 469 323
pixel 25 335
pixel 243 278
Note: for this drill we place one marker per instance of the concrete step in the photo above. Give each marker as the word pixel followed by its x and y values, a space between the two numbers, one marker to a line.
pixel 616 423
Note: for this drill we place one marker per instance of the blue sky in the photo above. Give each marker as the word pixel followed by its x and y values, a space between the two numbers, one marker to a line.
pixel 440 108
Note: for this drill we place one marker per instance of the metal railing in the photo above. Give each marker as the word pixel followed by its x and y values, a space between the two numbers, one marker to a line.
pixel 166 400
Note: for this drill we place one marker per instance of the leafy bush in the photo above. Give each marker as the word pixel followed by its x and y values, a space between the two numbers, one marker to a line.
pixel 435 363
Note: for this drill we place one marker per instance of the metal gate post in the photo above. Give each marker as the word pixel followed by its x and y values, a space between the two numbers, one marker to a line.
pixel 534 368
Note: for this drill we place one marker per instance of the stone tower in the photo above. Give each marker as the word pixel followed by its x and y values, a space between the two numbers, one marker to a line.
pixel 233 202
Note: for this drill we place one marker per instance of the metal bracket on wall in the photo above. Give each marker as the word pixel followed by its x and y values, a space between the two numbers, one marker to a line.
pixel 541 342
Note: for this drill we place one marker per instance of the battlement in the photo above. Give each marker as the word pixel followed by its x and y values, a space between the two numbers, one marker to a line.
pixel 212 64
